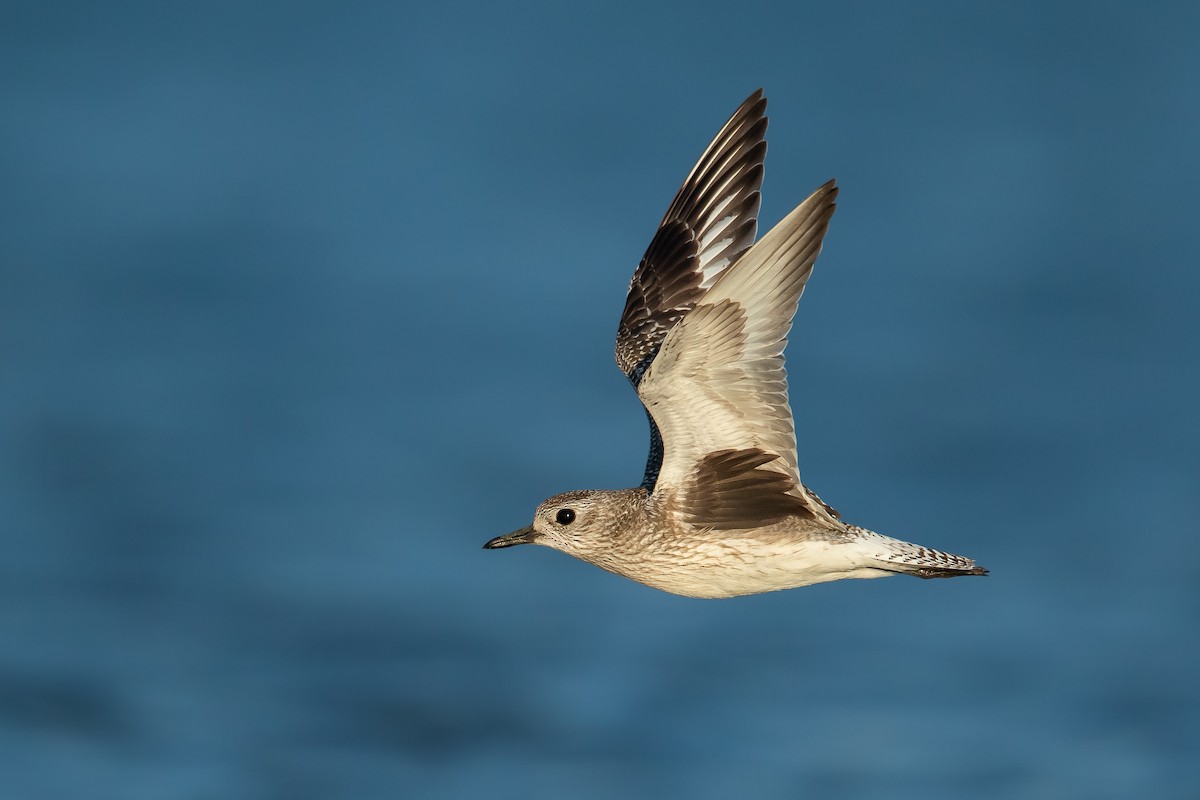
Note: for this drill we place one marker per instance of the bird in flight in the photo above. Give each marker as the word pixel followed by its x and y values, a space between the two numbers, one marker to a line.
pixel 721 510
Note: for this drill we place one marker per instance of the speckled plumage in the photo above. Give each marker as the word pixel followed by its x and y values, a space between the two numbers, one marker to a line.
pixel 721 510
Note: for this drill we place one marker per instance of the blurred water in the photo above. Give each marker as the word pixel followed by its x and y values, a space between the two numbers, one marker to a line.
pixel 301 303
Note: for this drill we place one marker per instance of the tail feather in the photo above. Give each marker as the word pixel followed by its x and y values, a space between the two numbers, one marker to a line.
pixel 895 555
pixel 942 572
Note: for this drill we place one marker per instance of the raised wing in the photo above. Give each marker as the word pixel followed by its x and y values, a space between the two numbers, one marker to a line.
pixel 718 389
pixel 711 221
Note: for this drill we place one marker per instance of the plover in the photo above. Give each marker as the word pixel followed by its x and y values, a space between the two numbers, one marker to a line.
pixel 721 510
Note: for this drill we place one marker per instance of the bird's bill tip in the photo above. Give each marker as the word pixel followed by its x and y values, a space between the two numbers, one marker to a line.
pixel 523 536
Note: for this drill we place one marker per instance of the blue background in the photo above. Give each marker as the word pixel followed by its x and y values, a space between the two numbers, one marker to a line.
pixel 301 303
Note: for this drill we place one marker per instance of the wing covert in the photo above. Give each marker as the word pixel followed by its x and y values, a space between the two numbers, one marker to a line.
pixel 711 221
pixel 719 385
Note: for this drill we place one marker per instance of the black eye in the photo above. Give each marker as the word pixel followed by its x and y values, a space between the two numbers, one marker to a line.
pixel 565 516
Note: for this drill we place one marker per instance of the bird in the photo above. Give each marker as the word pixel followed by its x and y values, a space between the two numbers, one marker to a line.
pixel 721 510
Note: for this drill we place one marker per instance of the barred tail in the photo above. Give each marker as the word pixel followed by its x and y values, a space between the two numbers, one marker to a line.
pixel 907 558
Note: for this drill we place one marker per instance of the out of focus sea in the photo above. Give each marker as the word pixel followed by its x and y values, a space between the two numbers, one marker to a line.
pixel 300 303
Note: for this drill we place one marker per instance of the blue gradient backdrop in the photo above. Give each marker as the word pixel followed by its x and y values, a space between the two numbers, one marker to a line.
pixel 301 303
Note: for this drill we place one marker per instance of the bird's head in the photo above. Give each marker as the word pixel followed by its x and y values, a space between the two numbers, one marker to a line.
pixel 583 524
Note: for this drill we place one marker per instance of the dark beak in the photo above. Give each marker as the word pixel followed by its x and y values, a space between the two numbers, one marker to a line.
pixel 523 536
